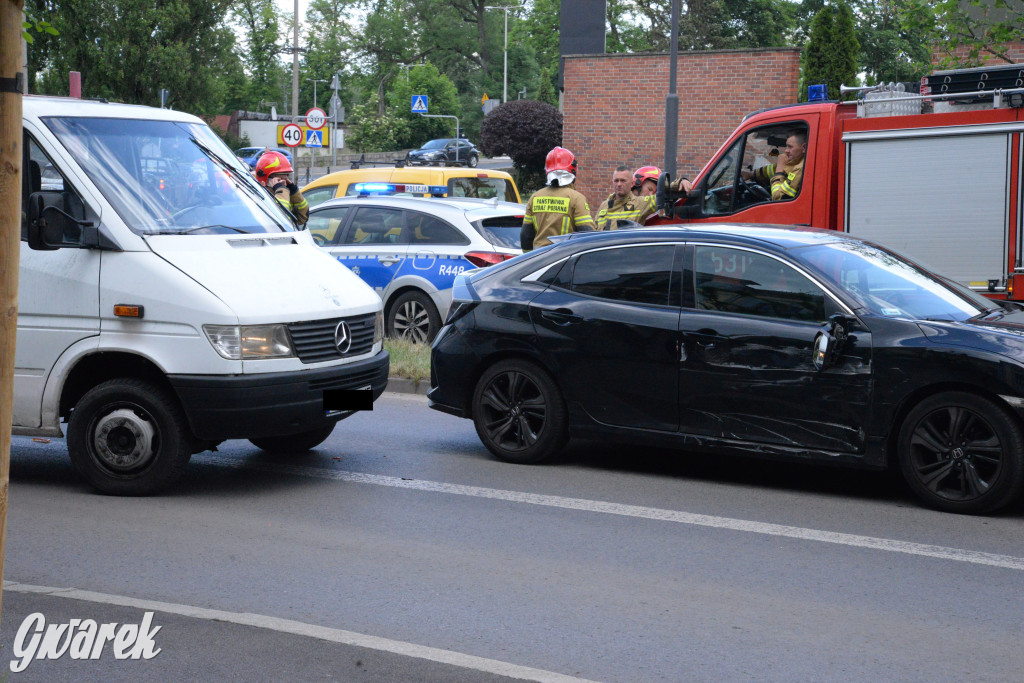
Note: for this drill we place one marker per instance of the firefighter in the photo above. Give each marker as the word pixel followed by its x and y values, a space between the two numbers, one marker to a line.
pixel 557 208
pixel 784 178
pixel 272 171
pixel 645 181
pixel 622 204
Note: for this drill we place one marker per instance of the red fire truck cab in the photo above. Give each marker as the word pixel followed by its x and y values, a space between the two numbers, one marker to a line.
pixel 942 187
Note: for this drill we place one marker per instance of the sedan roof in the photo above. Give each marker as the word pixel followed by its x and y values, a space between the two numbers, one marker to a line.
pixel 474 209
pixel 779 236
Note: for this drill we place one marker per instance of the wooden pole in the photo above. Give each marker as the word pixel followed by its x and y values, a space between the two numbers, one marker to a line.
pixel 10 235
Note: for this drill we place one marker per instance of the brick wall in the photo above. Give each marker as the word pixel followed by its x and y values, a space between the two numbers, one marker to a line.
pixel 614 106
pixel 1015 51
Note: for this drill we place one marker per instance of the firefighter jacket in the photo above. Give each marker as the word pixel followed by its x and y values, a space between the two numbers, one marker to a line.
pixel 784 182
pixel 554 211
pixel 629 208
pixel 290 198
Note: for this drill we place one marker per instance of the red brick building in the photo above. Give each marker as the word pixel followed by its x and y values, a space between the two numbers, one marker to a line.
pixel 614 106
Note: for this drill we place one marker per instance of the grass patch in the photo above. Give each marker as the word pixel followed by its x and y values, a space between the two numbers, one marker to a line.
pixel 409 359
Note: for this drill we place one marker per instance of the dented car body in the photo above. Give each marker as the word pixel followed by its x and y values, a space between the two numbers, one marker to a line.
pixel 785 343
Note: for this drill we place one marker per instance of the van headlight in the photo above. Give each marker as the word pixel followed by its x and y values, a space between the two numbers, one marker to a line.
pixel 248 342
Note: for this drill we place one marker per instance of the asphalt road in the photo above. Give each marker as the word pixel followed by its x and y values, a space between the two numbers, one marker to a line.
pixel 401 550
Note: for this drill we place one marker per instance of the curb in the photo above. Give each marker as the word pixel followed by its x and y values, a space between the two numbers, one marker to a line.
pixel 404 385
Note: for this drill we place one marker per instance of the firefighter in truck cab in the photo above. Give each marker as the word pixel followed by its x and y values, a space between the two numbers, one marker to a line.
pixel 783 178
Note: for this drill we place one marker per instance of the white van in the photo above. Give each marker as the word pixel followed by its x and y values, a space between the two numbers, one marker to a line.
pixel 167 301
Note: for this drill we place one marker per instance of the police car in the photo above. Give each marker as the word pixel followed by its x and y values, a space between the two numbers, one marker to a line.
pixel 410 249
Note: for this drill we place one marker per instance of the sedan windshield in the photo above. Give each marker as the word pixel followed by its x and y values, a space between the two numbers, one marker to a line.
pixel 435 144
pixel 168 177
pixel 889 286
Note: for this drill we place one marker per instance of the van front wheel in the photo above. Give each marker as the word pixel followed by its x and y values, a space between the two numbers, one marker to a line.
pixel 129 437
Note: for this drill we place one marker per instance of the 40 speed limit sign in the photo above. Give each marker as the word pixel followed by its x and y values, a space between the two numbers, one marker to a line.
pixel 292 135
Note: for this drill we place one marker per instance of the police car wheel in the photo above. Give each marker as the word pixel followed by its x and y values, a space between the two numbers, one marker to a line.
pixel 413 316
pixel 519 413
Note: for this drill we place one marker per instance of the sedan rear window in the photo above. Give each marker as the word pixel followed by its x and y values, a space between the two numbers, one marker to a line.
pixel 501 231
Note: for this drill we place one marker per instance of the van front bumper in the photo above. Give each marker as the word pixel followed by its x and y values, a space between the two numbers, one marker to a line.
pixel 273 404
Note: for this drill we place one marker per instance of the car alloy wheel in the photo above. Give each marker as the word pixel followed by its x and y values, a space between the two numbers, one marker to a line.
pixel 414 317
pixel 962 453
pixel 518 412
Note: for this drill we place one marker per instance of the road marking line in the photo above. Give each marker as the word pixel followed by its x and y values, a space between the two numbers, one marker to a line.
pixel 659 514
pixel 299 628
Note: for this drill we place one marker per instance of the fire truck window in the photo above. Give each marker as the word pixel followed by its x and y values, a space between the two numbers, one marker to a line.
pixel 721 183
pixel 760 152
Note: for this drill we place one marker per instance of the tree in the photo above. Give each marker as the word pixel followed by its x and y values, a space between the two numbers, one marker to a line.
pixel 981 28
pixel 830 56
pixel 525 130
pixel 260 21
pixel 442 98
pixel 370 131
pixel 889 50
pixel 133 48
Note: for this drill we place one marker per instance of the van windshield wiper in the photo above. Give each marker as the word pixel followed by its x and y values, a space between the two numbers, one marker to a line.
pixel 197 228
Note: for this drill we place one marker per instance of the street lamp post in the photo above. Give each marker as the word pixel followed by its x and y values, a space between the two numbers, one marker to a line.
pixel 505 9
pixel 315 81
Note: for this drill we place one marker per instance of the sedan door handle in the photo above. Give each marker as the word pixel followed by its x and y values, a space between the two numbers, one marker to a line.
pixel 388 260
pixel 561 316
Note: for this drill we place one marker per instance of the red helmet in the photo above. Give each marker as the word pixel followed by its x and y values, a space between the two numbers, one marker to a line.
pixel 271 163
pixel 645 173
pixel 560 159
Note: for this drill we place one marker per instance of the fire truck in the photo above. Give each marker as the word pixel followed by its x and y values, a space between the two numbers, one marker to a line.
pixel 935 176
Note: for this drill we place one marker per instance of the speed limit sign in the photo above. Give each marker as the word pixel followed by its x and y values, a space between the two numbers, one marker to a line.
pixel 316 118
pixel 292 135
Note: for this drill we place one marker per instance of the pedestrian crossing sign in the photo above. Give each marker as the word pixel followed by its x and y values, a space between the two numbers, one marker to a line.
pixel 419 104
pixel 314 138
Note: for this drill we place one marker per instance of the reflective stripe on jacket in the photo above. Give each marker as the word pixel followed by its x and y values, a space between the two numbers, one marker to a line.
pixel 628 208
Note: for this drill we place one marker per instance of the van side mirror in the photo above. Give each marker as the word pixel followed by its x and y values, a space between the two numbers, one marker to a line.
pixel 49 225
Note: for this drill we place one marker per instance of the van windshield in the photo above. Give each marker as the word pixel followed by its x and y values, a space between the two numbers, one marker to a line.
pixel 170 177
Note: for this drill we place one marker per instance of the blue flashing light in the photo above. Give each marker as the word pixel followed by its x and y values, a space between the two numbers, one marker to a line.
pixel 374 187
pixel 817 93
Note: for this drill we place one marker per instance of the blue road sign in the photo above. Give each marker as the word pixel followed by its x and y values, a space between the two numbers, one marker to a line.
pixel 314 138
pixel 419 104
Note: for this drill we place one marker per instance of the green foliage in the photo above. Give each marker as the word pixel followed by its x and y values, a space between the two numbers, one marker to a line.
pixel 132 48
pixel 443 99
pixel 261 24
pixel 34 23
pixel 370 131
pixel 981 27
pixel 830 56
pixel 889 50
pixel 525 130
pixel 546 90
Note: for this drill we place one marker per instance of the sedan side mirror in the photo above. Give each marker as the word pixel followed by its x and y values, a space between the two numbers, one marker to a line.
pixel 829 343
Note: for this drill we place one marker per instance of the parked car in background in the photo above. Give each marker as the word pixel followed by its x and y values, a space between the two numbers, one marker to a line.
pixel 445 152
pixel 414 182
pixel 799 345
pixel 411 249
pixel 251 155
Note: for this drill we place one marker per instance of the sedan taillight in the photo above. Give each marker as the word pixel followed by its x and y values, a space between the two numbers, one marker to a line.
pixel 482 259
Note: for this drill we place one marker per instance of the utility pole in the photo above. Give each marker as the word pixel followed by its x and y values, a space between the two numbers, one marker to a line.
pixel 672 99
pixel 12 85
pixel 295 66
pixel 505 9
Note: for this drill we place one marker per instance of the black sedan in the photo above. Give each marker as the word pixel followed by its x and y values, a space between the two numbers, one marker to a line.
pixel 789 344
pixel 445 152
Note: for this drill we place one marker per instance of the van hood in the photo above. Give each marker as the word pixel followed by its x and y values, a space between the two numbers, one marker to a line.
pixel 268 278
